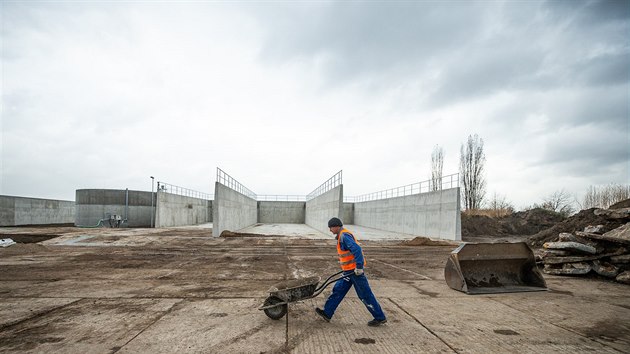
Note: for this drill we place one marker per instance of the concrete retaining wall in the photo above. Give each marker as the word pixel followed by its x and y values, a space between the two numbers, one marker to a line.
pixel 232 210
pixel 433 214
pixel 93 205
pixel 16 211
pixel 321 208
pixel 179 210
pixel 280 212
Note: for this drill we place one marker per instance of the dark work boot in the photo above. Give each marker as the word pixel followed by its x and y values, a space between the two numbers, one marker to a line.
pixel 322 314
pixel 376 323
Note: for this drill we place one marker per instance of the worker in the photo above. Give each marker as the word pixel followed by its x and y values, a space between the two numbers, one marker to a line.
pixel 352 263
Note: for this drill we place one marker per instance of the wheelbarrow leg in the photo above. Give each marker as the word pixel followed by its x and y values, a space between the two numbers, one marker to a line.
pixel 277 312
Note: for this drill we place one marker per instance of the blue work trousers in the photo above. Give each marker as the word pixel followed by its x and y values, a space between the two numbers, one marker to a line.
pixel 364 293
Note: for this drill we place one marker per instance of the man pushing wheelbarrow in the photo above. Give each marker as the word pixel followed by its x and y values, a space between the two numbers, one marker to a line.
pixel 352 263
pixel 351 274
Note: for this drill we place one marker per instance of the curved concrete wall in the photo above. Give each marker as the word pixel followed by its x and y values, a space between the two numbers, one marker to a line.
pixel 232 210
pixel 321 208
pixel 93 205
pixel 16 211
pixel 433 214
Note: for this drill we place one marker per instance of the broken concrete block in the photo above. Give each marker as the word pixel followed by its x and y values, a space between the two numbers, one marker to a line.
pixel 571 246
pixel 623 259
pixel 555 253
pixel 620 234
pixel 624 277
pixel 605 269
pixel 573 258
pixel 597 229
pixel 613 214
pixel 568 269
pixel 568 259
pixel 566 237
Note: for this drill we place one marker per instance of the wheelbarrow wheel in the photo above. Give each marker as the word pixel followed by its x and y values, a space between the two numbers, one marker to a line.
pixel 275 313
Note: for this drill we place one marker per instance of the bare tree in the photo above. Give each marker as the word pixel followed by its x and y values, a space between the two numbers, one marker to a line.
pixel 471 166
pixel 605 196
pixel 437 163
pixel 499 206
pixel 560 202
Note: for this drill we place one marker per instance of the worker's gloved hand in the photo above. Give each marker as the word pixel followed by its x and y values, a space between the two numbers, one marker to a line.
pixel 358 271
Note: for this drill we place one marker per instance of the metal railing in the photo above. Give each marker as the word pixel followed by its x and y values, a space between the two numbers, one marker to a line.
pixel 450 181
pixel 173 189
pixel 331 183
pixel 281 198
pixel 230 182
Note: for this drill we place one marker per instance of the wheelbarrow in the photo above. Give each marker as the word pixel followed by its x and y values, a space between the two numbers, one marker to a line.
pixel 281 294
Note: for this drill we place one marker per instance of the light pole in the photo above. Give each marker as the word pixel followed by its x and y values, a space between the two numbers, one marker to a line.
pixel 152 180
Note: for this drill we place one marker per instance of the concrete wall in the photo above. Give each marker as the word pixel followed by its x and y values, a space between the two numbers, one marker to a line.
pixel 16 211
pixel 179 210
pixel 321 208
pixel 433 214
pixel 232 210
pixel 348 213
pixel 209 212
pixel 281 212
pixel 93 205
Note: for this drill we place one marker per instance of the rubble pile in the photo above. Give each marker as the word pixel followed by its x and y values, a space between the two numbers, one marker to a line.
pixel 592 250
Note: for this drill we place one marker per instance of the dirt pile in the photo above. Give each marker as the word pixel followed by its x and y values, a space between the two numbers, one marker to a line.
pixel 620 205
pixel 527 222
pixel 19 249
pixel 425 241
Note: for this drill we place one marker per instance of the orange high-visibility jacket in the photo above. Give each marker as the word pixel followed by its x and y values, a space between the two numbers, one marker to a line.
pixel 346 258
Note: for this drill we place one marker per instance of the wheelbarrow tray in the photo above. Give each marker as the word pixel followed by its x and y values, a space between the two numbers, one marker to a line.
pixel 281 294
pixel 295 290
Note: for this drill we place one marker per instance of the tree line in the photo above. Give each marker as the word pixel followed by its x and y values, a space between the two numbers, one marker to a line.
pixel 472 161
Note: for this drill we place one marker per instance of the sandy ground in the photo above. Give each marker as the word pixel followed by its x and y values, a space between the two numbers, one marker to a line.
pixel 180 290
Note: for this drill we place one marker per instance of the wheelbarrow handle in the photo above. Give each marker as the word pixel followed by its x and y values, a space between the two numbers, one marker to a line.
pixel 328 281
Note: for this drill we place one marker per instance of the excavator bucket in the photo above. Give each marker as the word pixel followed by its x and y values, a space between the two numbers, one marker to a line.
pixel 489 268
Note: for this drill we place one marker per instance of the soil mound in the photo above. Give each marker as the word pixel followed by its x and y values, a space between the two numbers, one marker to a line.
pixel 574 223
pixel 527 222
pixel 22 248
pixel 425 241
pixel 477 225
pixel 620 205
pixel 530 222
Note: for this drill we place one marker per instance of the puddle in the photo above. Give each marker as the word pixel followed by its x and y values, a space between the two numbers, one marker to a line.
pixel 365 341
pixel 29 238
pixel 78 241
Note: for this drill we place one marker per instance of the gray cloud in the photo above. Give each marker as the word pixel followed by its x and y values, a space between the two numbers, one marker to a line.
pixel 589 150
pixel 604 70
pixel 366 38
pixel 589 12
pixel 461 50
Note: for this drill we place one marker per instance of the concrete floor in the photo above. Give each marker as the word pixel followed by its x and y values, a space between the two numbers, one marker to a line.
pixel 180 290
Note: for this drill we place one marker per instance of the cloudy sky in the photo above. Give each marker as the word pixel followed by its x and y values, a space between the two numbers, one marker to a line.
pixel 282 95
